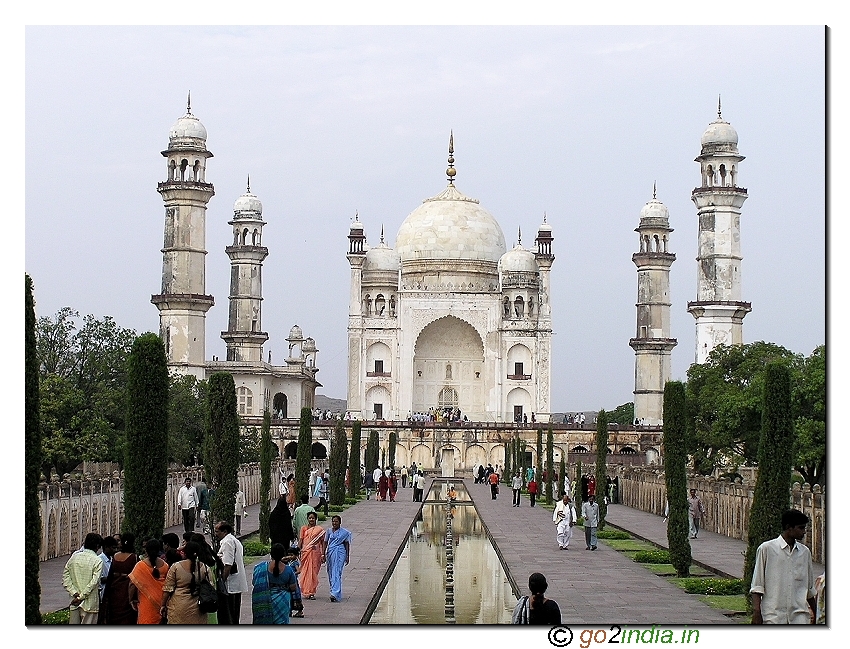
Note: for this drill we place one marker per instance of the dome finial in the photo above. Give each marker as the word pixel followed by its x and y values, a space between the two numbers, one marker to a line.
pixel 719 116
pixel 519 236
pixel 450 172
pixel 356 215
pixel 382 232
pixel 249 183
pixel 189 104
pixel 544 216
pixel 653 190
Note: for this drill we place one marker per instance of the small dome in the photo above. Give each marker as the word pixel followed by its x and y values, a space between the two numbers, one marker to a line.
pixel 450 226
pixel 295 333
pixel 381 258
pixel 248 203
pixel 356 225
pixel 519 260
pixel 309 345
pixel 654 209
pixel 187 130
pixel 720 133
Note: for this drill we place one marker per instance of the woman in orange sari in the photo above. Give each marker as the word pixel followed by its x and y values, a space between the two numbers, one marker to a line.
pixel 311 541
pixel 146 580
pixel 290 496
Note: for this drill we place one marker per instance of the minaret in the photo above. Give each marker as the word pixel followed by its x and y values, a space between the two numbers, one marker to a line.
pixel 545 259
pixel 718 309
pixel 652 342
pixel 183 301
pixel 245 336
pixel 356 256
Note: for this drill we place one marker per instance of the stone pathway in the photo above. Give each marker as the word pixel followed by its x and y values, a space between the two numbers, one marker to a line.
pixel 591 588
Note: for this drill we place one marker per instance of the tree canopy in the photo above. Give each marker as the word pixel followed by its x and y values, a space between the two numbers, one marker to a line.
pixel 725 396
pixel 624 414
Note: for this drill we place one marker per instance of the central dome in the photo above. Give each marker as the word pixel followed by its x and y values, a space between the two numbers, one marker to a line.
pixel 450 226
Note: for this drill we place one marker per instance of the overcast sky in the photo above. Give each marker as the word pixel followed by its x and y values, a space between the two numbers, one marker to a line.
pixel 578 122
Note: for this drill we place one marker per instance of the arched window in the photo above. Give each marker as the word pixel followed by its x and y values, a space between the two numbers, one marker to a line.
pixel 519 306
pixel 244 236
pixel 183 164
pixel 367 305
pixel 244 400
pixel 657 247
pixel 279 406
pixel 380 305
pixel 507 307
pixel 392 306
pixel 172 170
pixel 255 236
pixel 196 171
pixel 447 398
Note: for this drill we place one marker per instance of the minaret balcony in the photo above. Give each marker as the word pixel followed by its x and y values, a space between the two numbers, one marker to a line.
pixel 247 253
pixel 189 301
pixel 653 258
pixel 185 184
pixel 653 344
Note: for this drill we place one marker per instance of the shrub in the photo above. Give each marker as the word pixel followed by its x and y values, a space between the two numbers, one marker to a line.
pixel 653 556
pixel 320 516
pixel 254 548
pixel 613 534
pixel 57 617
pixel 336 508
pixel 352 501
pixel 712 586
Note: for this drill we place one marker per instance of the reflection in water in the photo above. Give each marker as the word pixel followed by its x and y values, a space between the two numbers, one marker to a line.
pixel 415 593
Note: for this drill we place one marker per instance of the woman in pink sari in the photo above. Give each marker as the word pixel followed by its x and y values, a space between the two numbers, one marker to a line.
pixel 311 541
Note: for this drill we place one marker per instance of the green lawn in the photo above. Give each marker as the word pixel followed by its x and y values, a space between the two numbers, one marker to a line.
pixel 668 569
pixel 736 603
pixel 628 545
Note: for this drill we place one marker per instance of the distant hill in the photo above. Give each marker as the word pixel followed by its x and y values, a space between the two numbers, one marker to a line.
pixel 327 403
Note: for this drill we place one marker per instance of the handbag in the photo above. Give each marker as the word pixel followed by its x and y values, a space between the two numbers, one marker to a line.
pixel 207 596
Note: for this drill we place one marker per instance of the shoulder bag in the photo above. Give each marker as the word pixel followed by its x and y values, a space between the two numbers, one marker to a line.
pixel 207 595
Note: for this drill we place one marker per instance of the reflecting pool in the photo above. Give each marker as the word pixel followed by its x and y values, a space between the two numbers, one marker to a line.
pixel 416 590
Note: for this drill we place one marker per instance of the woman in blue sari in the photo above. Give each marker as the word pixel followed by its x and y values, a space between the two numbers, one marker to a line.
pixel 274 582
pixel 337 552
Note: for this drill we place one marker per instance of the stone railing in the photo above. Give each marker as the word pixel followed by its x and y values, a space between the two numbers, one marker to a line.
pixel 73 507
pixel 727 504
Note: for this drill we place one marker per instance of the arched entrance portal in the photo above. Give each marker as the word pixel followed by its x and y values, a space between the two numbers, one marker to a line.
pixel 279 406
pixel 448 367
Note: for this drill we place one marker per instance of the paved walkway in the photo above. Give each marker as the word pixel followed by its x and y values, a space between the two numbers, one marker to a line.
pixel 592 588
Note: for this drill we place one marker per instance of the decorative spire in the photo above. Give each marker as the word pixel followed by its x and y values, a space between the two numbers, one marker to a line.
pixel 519 236
pixel 719 116
pixel 189 104
pixel 544 216
pixel 356 215
pixel 451 172
pixel 653 190
pixel 382 232
pixel 249 183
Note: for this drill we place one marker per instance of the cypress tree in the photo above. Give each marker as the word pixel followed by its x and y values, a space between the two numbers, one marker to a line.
pixel 578 490
pixel 146 462
pixel 775 456
pixel 304 454
pixel 338 463
pixel 550 463
pixel 266 454
pixel 538 469
pixel 562 468
pixel 372 452
pixel 601 468
pixel 523 460
pixel 391 451
pixel 675 475
pixel 32 463
pixel 221 445
pixel 354 461
pixel 509 454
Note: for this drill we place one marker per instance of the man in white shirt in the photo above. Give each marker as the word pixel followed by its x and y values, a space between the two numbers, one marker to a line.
pixel 239 510
pixel 590 511
pixel 232 557
pixel 783 586
pixel 376 474
pixel 81 578
pixel 516 486
pixel 187 501
pixel 565 518
pixel 312 480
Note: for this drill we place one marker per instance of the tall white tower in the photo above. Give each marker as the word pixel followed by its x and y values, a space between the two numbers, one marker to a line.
pixel 718 309
pixel 652 342
pixel 183 301
pixel 245 336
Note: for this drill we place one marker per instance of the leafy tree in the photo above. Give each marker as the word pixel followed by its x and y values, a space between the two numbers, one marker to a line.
pixel 304 454
pixel 83 376
pixel 725 400
pixel 250 446
pixel 675 475
pixel 601 466
pixel 577 483
pixel 809 408
pixel 539 466
pixel 221 445
pixel 623 415
pixel 187 404
pixel 354 461
pixel 562 471
pixel 509 456
pixel 338 462
pixel 146 466
pixel 266 457
pixel 372 451
pixel 32 463
pixel 771 496
pixel 391 450
pixel 550 463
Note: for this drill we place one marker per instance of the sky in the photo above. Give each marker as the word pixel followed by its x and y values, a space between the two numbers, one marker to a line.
pixel 577 122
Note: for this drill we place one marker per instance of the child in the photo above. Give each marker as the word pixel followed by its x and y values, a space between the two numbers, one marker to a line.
pixel 293 562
